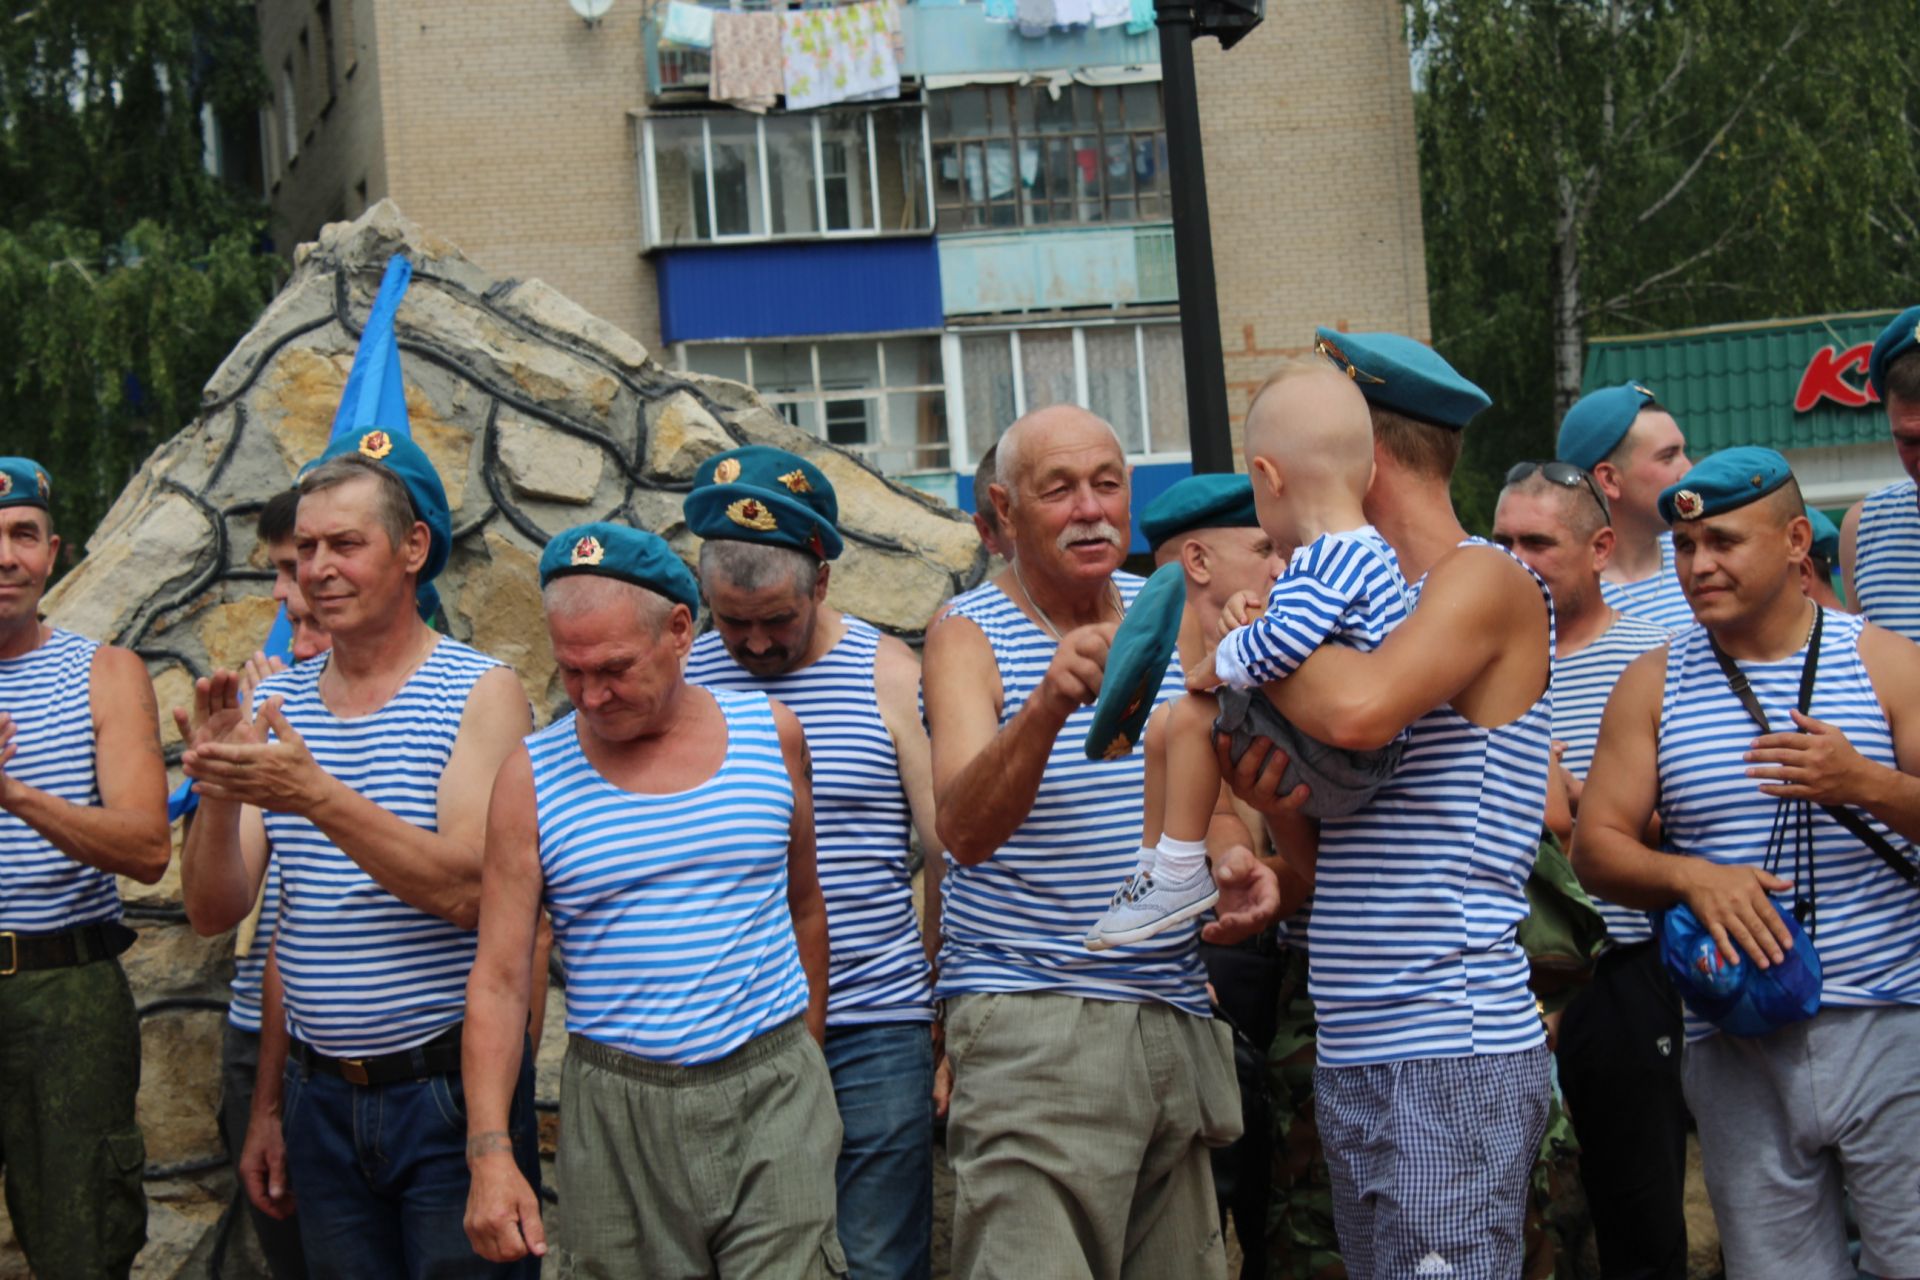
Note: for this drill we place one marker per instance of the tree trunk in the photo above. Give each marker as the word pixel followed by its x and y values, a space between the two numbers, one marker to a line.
pixel 1569 334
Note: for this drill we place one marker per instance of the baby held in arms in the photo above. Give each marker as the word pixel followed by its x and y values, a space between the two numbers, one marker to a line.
pixel 1309 450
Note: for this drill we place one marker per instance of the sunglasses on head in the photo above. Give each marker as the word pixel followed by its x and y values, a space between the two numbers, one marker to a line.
pixel 1564 474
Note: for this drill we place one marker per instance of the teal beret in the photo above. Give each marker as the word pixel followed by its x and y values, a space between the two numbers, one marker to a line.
pixel 1599 421
pixel 1401 374
pixel 1137 663
pixel 1894 341
pixel 409 462
pixel 24 483
pixel 1826 538
pixel 611 550
pixel 1215 501
pixel 1724 481
pixel 762 494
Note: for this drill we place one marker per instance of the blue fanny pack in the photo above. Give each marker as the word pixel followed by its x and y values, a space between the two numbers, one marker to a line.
pixel 1743 998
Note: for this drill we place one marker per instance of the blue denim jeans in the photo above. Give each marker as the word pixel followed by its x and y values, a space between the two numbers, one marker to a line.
pixel 883 1081
pixel 380 1176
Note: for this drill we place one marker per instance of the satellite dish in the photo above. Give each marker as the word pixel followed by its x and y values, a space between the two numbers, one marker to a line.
pixel 591 11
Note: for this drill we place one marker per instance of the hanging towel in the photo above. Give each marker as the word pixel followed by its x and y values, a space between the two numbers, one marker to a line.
pixel 688 26
pixel 746 60
pixel 844 54
pixel 1108 13
pixel 1033 18
pixel 1071 15
pixel 1142 20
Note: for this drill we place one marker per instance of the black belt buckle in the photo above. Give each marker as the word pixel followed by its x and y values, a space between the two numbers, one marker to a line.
pixel 13 955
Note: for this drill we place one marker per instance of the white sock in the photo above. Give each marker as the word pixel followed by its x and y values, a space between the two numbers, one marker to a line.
pixel 1179 859
pixel 1149 856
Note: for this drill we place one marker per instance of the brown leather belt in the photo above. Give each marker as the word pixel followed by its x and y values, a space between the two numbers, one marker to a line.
pixel 438 1056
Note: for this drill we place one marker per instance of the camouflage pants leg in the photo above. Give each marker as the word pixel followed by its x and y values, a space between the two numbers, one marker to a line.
pixel 1301 1244
pixel 70 1148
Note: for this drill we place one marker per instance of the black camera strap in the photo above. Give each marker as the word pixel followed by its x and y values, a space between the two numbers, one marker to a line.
pixel 1846 817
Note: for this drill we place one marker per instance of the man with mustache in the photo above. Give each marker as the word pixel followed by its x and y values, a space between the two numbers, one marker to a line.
pixel 767 520
pixel 83 798
pixel 1088 1086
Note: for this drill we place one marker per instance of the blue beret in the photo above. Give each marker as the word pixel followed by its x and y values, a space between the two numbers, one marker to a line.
pixel 762 494
pixel 1826 538
pixel 620 551
pixel 1401 374
pixel 24 483
pixel 409 462
pixel 1724 481
pixel 1137 663
pixel 1598 421
pixel 1894 341
pixel 1216 501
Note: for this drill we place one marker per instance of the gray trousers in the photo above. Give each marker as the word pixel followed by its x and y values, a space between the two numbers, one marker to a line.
pixel 1079 1134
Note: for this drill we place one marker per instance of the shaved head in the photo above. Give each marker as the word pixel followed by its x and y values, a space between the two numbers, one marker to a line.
pixel 1313 423
pixel 1046 425
pixel 1576 505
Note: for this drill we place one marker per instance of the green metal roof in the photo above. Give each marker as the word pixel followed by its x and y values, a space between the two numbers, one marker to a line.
pixel 1738 384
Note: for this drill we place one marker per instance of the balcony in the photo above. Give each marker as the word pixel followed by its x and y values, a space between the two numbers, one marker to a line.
pixel 942 39
pixel 991 272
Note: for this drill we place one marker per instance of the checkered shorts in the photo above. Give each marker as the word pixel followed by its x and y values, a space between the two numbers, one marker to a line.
pixel 1430 1161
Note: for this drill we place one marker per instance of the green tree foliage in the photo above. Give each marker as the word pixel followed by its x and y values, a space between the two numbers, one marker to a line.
pixel 1594 168
pixel 127 270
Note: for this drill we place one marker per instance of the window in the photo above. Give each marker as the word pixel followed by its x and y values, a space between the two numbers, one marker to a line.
pixel 734 176
pixel 1016 156
pixel 883 399
pixel 1131 374
pixel 289 113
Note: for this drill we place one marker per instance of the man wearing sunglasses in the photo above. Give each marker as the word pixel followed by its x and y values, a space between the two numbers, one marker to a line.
pixel 1633 449
pixel 1619 1041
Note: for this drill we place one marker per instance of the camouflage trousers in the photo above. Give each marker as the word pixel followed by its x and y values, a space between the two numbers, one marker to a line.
pixel 69 1146
pixel 1301 1242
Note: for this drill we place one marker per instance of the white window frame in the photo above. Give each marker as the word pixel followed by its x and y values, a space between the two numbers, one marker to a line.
pixel 289 115
pixel 648 158
pixel 878 396
pixel 953 368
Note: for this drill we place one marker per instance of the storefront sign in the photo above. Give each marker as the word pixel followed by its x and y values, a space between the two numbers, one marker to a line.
pixel 1825 378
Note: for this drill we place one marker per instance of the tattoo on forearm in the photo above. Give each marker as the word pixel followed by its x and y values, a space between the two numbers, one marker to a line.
pixel 486 1144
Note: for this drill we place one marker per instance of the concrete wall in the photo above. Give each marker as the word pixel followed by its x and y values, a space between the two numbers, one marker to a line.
pixel 1313 182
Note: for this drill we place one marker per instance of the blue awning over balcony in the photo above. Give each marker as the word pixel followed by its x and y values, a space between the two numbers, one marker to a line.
pixel 790 290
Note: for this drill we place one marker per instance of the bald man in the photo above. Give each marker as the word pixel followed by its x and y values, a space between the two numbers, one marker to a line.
pixel 1088 1086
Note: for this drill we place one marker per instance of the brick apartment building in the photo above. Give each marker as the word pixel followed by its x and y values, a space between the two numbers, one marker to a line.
pixel 904 276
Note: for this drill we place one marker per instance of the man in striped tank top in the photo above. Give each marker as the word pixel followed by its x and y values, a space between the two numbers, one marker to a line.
pixel 1087 1086
pixel 82 799
pixel 1633 449
pixel 669 830
pixel 1619 1043
pixel 1431 1092
pixel 370 796
pixel 1880 537
pixel 857 694
pixel 1795 1122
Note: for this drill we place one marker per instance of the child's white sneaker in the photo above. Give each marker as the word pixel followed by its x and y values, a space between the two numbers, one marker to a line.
pixel 1149 904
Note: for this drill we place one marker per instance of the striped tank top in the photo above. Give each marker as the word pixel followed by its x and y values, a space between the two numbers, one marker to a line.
pixel 1342 588
pixel 1417 898
pixel 1582 682
pixel 670 911
pixel 1868 919
pixel 366 973
pixel 877 970
pixel 243 1002
pixel 48 694
pixel 1016 921
pixel 1886 559
pixel 1658 599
